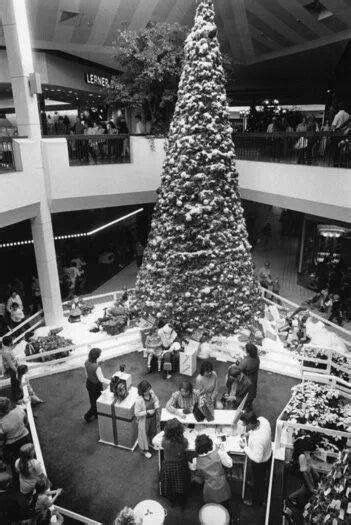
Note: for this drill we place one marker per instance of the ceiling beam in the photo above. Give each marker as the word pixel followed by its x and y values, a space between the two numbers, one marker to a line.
pixel 179 11
pixel 301 14
pixel 320 42
pixel 272 21
pixel 103 21
pixel 243 31
pixel 230 31
pixel 142 14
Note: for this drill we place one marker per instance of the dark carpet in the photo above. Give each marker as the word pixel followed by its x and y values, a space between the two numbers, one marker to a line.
pixel 98 480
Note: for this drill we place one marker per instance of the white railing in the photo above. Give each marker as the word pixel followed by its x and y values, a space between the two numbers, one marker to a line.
pixel 39 456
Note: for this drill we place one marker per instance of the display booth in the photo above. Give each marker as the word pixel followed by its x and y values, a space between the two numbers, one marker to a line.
pixel 224 430
pixel 287 428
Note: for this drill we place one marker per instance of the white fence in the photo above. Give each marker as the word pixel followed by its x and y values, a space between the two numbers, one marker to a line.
pixel 38 452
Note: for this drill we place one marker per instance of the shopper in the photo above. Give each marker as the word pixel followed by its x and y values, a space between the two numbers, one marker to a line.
pixel 209 465
pixel 257 445
pixel 10 365
pixel 154 349
pixel 13 430
pixel 302 465
pixel 44 500
pixel 238 386
pixel 175 473
pixel 264 275
pixel 94 382
pixel 250 366
pixel 206 385
pixel 182 401
pixel 23 380
pixel 146 407
pixel 336 310
pixel 29 468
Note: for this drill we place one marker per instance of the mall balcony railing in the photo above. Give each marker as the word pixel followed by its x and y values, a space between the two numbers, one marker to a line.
pixel 7 161
pixel 328 149
pixel 84 150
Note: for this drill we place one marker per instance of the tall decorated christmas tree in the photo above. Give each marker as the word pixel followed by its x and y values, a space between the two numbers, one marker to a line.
pixel 197 270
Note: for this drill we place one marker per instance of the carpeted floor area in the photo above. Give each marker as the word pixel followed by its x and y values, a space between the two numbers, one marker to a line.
pixel 98 480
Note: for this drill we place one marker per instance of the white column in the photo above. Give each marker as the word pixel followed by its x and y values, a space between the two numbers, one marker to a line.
pixel 45 256
pixel 20 60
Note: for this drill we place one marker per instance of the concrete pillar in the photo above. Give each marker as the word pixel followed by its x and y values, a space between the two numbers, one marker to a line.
pixel 45 256
pixel 20 60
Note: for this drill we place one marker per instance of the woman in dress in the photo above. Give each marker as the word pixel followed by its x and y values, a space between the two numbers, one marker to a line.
pixel 302 463
pixel 153 347
pixel 175 473
pixel 145 410
pixel 206 385
pixel 209 465
pixel 182 401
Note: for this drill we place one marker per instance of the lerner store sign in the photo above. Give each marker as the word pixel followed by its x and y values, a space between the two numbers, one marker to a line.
pixel 99 80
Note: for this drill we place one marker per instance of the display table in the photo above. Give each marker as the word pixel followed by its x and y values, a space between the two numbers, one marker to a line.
pixel 117 424
pixel 224 430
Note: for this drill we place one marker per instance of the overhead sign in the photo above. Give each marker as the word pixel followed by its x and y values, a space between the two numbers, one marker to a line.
pixel 98 80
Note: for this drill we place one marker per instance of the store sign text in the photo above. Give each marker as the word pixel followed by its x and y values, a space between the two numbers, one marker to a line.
pixel 97 80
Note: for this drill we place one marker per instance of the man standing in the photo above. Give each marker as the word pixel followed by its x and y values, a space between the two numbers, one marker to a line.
pixel 257 446
pixel 10 365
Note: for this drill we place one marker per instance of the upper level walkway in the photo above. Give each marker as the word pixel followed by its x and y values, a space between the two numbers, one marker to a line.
pixel 83 172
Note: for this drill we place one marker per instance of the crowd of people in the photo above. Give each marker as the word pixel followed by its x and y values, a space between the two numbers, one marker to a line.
pixel 332 290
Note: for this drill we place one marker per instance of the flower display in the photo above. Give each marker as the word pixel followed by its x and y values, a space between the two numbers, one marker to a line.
pixel 53 341
pixel 331 504
pixel 197 270
pixel 318 405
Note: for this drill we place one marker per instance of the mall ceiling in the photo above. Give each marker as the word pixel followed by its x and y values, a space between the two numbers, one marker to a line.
pixel 271 42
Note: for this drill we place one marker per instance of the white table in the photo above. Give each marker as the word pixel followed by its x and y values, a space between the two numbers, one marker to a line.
pixel 222 425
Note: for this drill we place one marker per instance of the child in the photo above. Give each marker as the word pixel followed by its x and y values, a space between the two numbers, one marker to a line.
pixel 23 380
pixel 44 502
pixel 153 346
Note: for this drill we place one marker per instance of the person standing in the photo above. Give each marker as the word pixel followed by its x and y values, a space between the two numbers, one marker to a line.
pixel 13 430
pixel 175 473
pixel 29 469
pixel 94 382
pixel 206 385
pixel 209 465
pixel 258 448
pixel 10 365
pixel 145 410
pixel 250 366
pixel 238 386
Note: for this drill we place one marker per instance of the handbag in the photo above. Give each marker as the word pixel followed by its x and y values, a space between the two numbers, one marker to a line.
pixel 197 413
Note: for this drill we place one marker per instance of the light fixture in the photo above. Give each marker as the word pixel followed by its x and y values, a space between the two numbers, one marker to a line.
pixel 115 221
pixel 76 235
pixel 331 230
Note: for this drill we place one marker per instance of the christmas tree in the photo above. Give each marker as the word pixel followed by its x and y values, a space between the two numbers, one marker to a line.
pixel 197 270
pixel 332 502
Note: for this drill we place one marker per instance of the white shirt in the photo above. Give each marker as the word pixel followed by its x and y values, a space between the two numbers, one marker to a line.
pixel 259 446
pixel 226 460
pixel 167 335
pixel 340 118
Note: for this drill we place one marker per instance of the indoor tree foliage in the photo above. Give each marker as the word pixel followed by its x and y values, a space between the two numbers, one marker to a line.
pixel 197 270
pixel 150 61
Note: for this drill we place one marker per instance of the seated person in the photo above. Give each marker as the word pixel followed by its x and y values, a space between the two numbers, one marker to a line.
pixel 238 385
pixel 183 400
pixel 168 338
pixel 153 347
pixel 16 314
